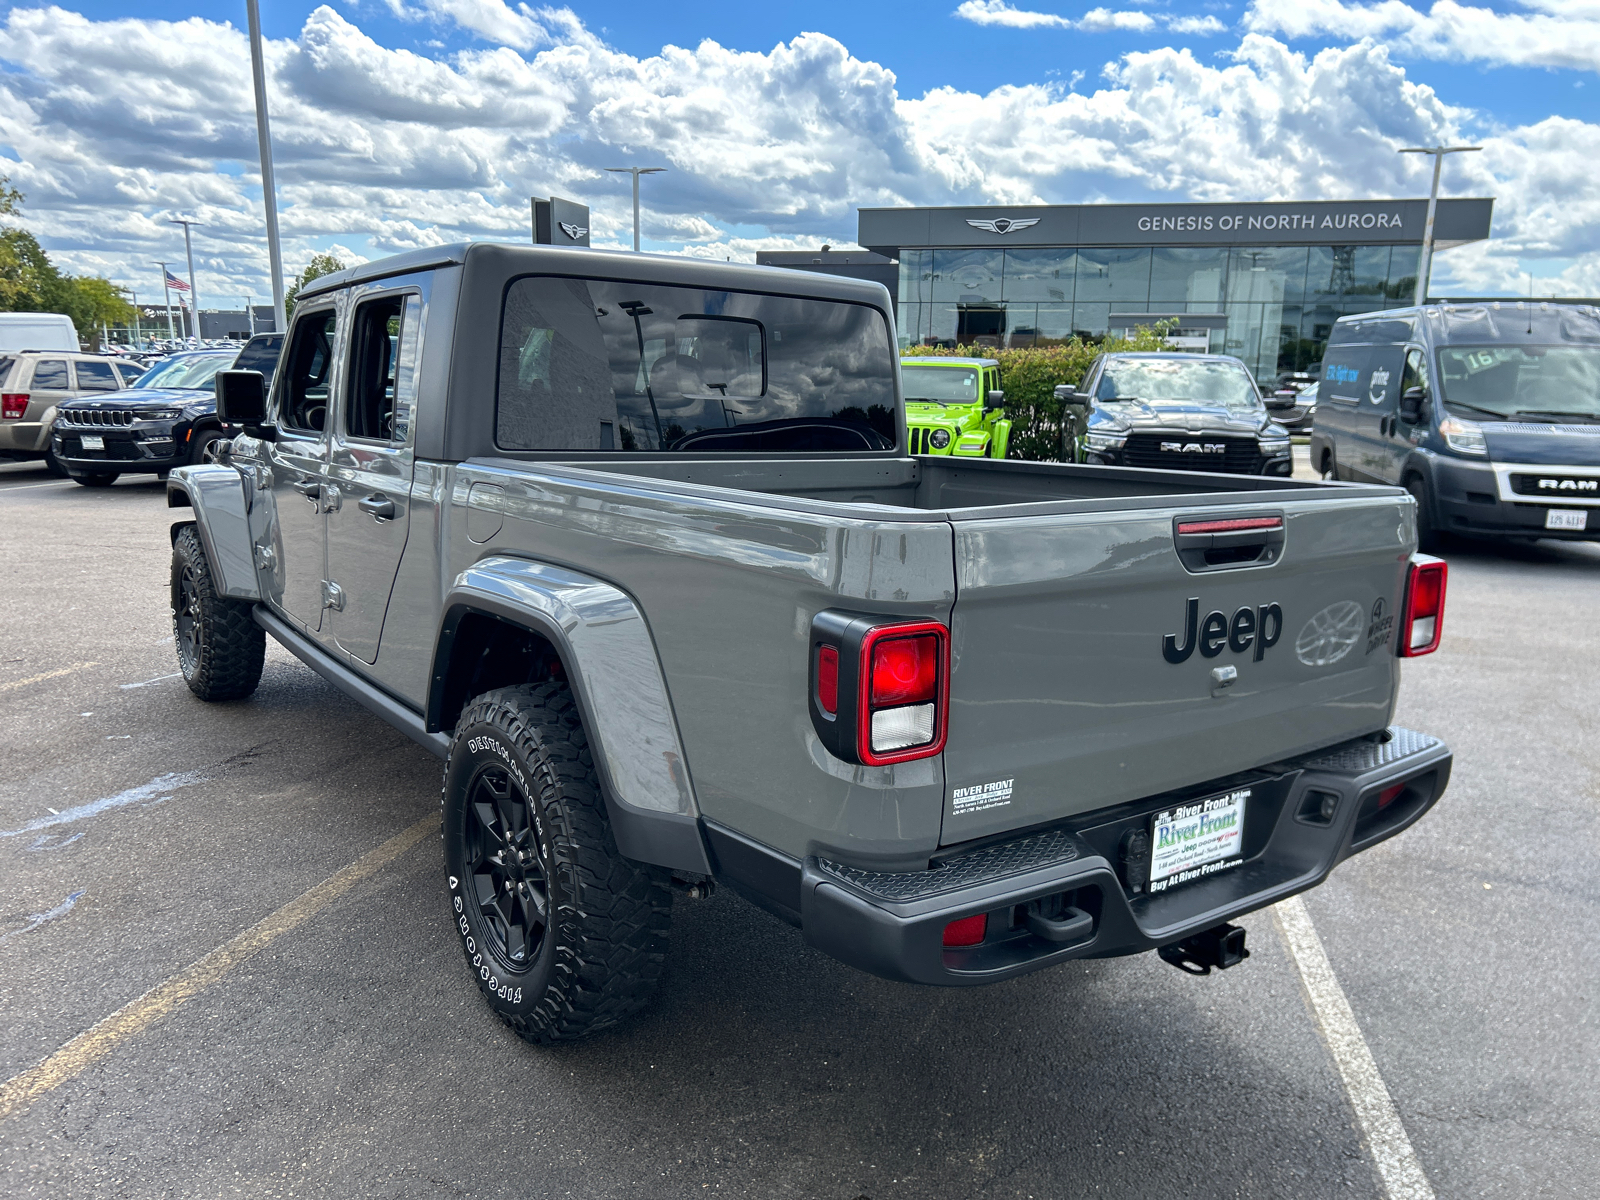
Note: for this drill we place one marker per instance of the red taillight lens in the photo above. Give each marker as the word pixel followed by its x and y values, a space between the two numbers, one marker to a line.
pixel 1423 619
pixel 13 405
pixel 968 931
pixel 828 680
pixel 1389 794
pixel 905 670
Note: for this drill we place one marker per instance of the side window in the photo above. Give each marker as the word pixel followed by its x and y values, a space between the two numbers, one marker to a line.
pixel 303 397
pixel 130 372
pixel 1416 373
pixel 96 377
pixel 382 367
pixel 51 373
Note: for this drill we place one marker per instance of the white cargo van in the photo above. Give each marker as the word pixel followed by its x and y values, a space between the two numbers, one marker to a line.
pixel 37 331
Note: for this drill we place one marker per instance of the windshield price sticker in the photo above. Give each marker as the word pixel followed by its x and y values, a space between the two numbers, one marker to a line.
pixel 1192 841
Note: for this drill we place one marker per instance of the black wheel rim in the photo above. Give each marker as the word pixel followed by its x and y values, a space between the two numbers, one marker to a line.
pixel 187 625
pixel 506 869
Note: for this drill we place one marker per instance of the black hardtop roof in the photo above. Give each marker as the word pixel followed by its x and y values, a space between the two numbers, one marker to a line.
pixel 938 360
pixel 497 258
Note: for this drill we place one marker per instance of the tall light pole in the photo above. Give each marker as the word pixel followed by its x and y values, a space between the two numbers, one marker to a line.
pixel 194 292
pixel 166 293
pixel 269 187
pixel 1425 266
pixel 636 172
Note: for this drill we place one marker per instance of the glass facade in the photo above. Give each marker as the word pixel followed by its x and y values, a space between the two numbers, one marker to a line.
pixel 1280 301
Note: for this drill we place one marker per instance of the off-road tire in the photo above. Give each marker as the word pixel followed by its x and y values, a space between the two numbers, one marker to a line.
pixel 96 480
pixel 601 949
pixel 220 647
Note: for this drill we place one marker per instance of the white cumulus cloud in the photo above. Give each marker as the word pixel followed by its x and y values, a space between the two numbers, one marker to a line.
pixel 1548 33
pixel 115 126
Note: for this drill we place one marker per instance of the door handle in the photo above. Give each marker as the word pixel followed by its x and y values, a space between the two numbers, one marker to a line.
pixel 311 489
pixel 378 506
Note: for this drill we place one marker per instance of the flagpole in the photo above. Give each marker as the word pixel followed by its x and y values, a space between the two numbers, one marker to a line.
pixel 194 292
pixel 166 292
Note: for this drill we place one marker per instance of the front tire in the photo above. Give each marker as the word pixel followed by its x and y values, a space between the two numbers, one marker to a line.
pixel 207 448
pixel 563 935
pixel 221 649
pixel 55 466
pixel 1428 536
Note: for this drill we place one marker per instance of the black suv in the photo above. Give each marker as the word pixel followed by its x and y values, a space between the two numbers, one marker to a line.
pixel 169 420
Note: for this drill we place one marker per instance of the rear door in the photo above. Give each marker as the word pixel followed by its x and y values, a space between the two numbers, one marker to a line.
pixel 1090 664
pixel 50 385
pixel 96 375
pixel 369 473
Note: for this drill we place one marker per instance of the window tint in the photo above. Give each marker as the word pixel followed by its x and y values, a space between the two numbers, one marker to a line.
pixel 304 400
pixel 1416 373
pixel 130 371
pixel 956 385
pixel 601 365
pixel 375 339
pixel 96 377
pixel 6 363
pixel 51 373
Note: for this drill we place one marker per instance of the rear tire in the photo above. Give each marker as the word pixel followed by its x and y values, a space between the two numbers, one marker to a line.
pixel 96 480
pixel 1329 472
pixel 220 647
pixel 563 935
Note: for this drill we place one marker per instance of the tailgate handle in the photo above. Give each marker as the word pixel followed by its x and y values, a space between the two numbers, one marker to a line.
pixel 1219 543
pixel 1073 925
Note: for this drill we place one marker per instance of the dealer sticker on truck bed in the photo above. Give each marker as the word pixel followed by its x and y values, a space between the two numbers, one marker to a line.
pixel 1192 841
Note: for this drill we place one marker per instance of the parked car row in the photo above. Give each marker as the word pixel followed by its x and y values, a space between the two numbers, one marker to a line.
pixel 96 417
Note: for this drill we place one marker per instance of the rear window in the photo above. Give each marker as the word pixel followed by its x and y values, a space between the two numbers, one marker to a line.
pixel 6 363
pixel 50 373
pixel 96 377
pixel 589 364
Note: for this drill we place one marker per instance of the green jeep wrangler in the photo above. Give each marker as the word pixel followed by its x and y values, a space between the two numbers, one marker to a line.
pixel 953 406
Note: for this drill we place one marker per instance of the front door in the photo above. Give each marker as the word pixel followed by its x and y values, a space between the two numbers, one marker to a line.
pixel 369 473
pixel 303 393
pixel 1403 435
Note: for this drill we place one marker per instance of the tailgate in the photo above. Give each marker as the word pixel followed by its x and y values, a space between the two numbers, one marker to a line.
pixel 1070 686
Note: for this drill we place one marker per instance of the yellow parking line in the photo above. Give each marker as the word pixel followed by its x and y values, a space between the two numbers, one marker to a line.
pixel 89 1047
pixel 56 674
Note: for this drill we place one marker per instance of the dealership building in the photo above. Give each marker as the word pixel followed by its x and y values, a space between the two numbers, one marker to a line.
pixel 1262 281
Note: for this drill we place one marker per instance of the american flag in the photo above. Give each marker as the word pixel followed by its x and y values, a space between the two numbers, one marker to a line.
pixel 175 283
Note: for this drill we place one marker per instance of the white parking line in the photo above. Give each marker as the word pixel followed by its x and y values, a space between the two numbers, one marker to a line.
pixel 22 487
pixel 1392 1156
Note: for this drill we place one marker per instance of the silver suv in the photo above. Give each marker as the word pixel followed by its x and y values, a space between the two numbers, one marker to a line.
pixel 33 382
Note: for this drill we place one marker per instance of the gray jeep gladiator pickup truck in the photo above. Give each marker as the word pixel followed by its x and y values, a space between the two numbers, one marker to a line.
pixel 633 543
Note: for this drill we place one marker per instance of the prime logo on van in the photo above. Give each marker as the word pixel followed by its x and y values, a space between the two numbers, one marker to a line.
pixel 1249 628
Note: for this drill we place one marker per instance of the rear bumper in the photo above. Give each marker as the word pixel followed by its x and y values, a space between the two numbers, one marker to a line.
pixel 26 437
pixel 892 924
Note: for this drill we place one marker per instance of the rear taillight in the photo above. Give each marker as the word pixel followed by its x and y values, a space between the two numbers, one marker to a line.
pixel 879 691
pixel 1422 619
pixel 13 405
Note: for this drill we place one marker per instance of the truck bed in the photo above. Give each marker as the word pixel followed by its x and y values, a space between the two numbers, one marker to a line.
pixel 1059 584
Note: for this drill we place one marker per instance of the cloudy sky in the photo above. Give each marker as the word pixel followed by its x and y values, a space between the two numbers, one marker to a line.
pixel 405 123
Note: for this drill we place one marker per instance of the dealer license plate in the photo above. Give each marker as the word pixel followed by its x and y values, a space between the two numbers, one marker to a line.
pixel 92 442
pixel 1192 841
pixel 1566 518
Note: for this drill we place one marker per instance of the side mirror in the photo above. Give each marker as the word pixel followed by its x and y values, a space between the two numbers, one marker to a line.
pixel 1064 393
pixel 1279 403
pixel 242 398
pixel 995 399
pixel 1411 403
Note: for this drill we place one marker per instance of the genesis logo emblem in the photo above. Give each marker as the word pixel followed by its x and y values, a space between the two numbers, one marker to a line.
pixel 1194 447
pixel 1332 633
pixel 575 232
pixel 1004 224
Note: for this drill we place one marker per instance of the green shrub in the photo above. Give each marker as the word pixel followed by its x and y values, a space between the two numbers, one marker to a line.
pixel 1030 377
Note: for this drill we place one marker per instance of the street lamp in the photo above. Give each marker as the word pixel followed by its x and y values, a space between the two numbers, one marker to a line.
pixel 194 293
pixel 269 188
pixel 636 172
pixel 1425 266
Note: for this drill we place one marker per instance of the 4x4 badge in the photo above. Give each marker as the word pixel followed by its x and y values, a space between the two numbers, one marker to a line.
pixel 1260 627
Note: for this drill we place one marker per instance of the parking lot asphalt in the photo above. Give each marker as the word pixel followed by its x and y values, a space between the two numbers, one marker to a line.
pixel 350 1055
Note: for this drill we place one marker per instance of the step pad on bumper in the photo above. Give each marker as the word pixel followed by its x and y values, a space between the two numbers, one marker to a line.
pixel 1048 849
pixel 1364 756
